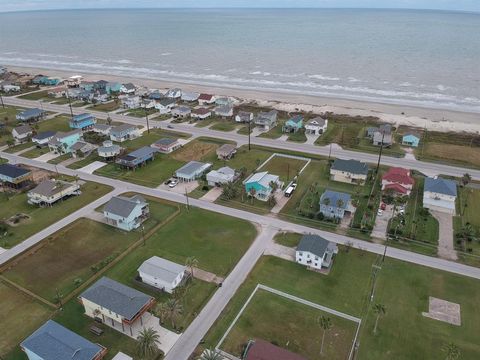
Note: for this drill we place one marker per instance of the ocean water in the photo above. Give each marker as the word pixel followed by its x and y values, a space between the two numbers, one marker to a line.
pixel 422 58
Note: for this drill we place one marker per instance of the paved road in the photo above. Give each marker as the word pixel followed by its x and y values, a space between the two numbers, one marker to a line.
pixel 427 168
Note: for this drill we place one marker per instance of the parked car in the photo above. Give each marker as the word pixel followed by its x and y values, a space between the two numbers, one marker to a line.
pixel 167 182
pixel 170 126
pixel 383 206
pixel 380 212
pixel 173 183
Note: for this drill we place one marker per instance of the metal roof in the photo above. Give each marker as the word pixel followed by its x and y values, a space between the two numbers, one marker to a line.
pixel 52 341
pixel 160 268
pixel 351 166
pixel 23 129
pixel 441 186
pixel 116 297
pixel 166 141
pixel 123 206
pixel 334 197
pixel 44 135
pixel 193 167
pixel 30 113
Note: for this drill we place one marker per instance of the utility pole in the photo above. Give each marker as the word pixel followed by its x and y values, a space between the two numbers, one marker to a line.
pixel 186 195
pixel 330 151
pixel 69 102
pixel 143 235
pixel 249 130
pixel 1 99
pixel 146 117
pixel 380 152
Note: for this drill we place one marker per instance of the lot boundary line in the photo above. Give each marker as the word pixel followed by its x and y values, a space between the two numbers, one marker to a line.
pixel 308 160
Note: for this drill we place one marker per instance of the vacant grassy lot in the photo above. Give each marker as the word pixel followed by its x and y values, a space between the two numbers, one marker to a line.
pixel 7 118
pixel 20 315
pixel 37 95
pixel 195 150
pixel 288 239
pixel 40 218
pixel 299 136
pixel 225 125
pixel 34 153
pixel 290 325
pixel 106 107
pixel 286 168
pixel 67 256
pixel 19 147
pixel 140 112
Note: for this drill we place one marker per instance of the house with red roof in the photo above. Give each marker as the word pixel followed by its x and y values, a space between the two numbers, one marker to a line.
pixel 399 180
pixel 263 350
pixel 206 99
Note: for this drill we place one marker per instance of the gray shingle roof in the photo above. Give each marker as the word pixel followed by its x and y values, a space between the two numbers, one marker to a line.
pixel 351 166
pixel 145 151
pixel 192 167
pixel 23 129
pixel 122 128
pixel 123 206
pixel 52 341
pixel 118 298
pixel 49 187
pixel 441 186
pixel 313 243
pixel 44 135
pixel 166 141
pixel 160 268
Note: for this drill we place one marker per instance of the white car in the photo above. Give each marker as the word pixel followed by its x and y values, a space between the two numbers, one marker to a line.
pixel 380 212
pixel 173 183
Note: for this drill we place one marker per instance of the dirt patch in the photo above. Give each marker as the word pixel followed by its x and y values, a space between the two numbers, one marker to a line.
pixel 461 153
pixel 39 174
pixel 17 219
pixel 443 310
pixel 195 150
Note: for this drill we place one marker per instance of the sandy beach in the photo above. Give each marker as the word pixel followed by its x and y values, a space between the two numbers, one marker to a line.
pixel 432 119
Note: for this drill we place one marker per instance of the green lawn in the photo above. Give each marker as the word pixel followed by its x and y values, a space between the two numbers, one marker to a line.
pixel 288 239
pixel 85 161
pixel 41 218
pixel 290 325
pixel 61 101
pixel 37 95
pixel 106 107
pixel 20 314
pixel 58 123
pixel 19 147
pixel 140 112
pixel 7 118
pixel 34 153
pixel 299 136
pixel 274 133
pixel 244 130
pixel 225 125
pixel 402 287
pixel 60 159
pixel 284 167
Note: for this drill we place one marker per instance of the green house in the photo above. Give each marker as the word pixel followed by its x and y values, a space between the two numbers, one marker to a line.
pixel 293 124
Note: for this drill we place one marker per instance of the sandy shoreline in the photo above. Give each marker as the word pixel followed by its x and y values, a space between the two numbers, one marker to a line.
pixel 432 119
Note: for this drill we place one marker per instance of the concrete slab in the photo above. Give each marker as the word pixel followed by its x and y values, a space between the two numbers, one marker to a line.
pixel 90 168
pixel 280 251
pixel 311 139
pixel 281 201
pixel 381 223
pixel 212 195
pixel 446 249
pixel 443 310
pixel 46 157
pixel 181 187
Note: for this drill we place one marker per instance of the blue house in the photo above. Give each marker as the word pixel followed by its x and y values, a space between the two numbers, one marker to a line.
pixel 126 213
pixel 83 121
pixel 53 341
pixel 410 140
pixel 87 86
pixel 62 142
pixel 137 157
pixel 113 87
pixel 14 176
pixel 293 124
pixel 30 115
pixel 45 80
pixel 259 185
pixel 334 205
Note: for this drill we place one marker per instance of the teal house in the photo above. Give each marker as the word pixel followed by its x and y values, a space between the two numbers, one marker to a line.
pixel 410 140
pixel 259 185
pixel 82 121
pixel 293 124
pixel 62 142
pixel 113 87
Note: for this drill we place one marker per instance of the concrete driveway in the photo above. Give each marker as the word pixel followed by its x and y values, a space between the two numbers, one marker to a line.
pixel 46 157
pixel 212 195
pixel 381 223
pixel 181 187
pixel 281 201
pixel 446 249
pixel 90 168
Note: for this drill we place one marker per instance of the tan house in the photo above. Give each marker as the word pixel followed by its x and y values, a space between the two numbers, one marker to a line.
pixel 349 171
pixel 49 192
pixel 226 151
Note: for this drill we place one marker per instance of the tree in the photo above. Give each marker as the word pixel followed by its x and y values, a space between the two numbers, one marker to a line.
pixel 170 310
pixel 325 324
pixel 273 186
pixel 191 263
pixel 10 142
pixel 147 343
pixel 272 201
pixel 379 310
pixel 467 233
pixel 340 203
pixel 252 192
pixel 452 351
pixel 211 354
pixel 466 178
pixel 109 120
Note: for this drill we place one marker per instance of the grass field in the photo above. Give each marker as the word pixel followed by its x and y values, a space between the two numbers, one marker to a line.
pixel 38 95
pixel 34 153
pixel 402 287
pixel 195 150
pixel 288 239
pixel 20 314
pixel 82 244
pixel 41 218
pixel 286 168
pixel 19 147
pixel 106 107
pixel 7 118
pixel 140 112
pixel 225 125
pixel 291 325
pixel 299 136
pixel 60 159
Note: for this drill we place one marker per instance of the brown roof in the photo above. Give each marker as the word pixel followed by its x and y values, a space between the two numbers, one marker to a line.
pixel 201 111
pixel 206 97
pixel 263 350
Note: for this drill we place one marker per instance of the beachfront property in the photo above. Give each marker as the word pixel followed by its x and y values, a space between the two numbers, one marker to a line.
pixel 397 180
pixel 131 102
pixel 221 176
pixel 165 105
pixel 174 93
pixel 155 95
pixel 192 171
pixel 316 126
pixel 137 158
pixel 124 132
pixel 22 133
pixel 335 205
pixel 226 151
pixel 116 305
pixel 48 192
pixel 206 99
pixel 161 273
pixel 315 252
pixel 83 121
pixel 266 120
pixel 46 80
pixel 224 110
pixel 52 341
pixel 190 96
pixel 293 124
pixel 440 194
pixel 166 145
pixel 264 350
pixel 31 115
pixel 73 81
pixel 62 142
pixel 349 171
pixel 259 185
pixel 201 113
pixel 244 117
pixel 128 88
pixel 14 176
pixel 113 87
pixel 42 139
pixel 101 129
pixel 410 140
pixel 56 93
pixel 126 213
pixel 109 150
pixel 9 88
pixel 380 134
pixel 88 85
pixel 100 96
pixel 82 149
pixel 181 112
pixel 147 103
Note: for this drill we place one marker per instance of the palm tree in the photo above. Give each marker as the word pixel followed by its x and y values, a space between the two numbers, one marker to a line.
pixel 340 203
pixel 379 310
pixel 252 193
pixel 171 310
pixel 273 186
pixel 325 324
pixel 191 263
pixel 326 201
pixel 466 178
pixel 452 350
pixel 211 354
pixel 147 343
